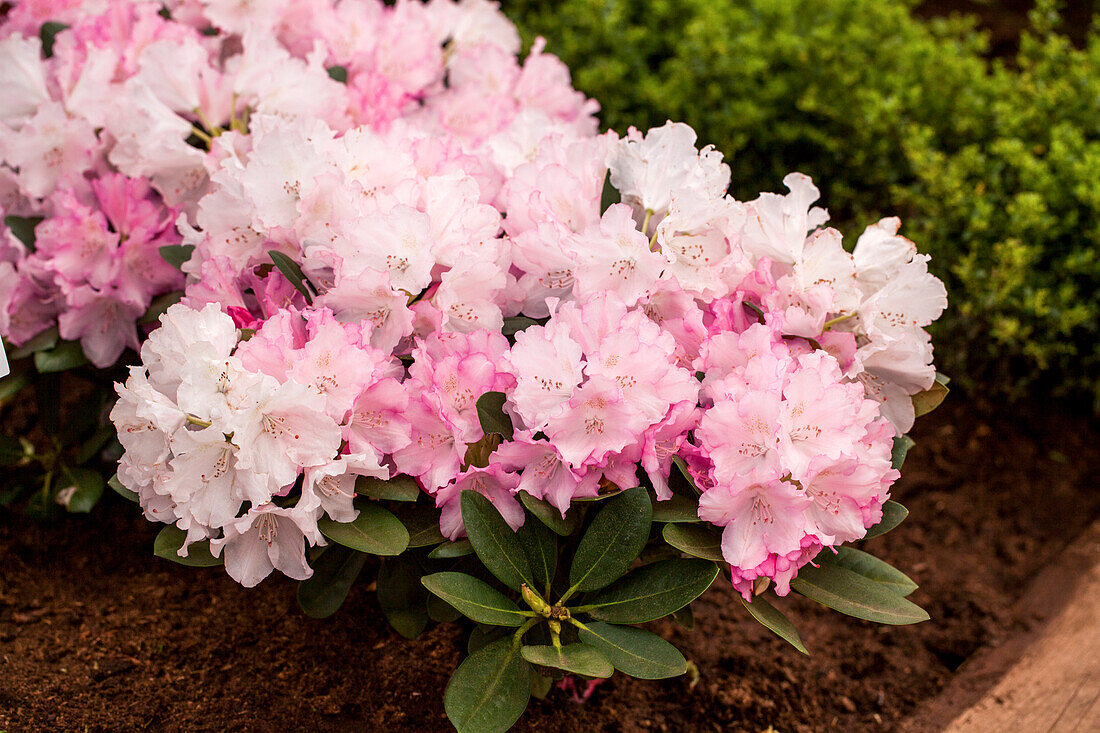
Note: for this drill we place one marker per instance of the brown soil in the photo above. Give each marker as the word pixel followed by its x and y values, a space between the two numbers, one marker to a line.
pixel 98 634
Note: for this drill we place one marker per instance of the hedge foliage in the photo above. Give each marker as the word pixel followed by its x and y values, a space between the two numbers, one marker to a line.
pixel 994 166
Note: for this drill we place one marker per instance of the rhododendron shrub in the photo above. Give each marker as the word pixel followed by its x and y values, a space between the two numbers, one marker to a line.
pixel 559 381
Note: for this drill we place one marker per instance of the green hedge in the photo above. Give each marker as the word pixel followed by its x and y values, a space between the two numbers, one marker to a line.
pixel 995 168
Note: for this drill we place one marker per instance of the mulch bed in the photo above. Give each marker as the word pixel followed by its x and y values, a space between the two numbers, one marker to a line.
pixel 97 634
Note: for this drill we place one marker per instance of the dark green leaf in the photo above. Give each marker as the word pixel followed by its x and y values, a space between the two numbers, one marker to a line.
pixel 494 541
pixel 292 271
pixel 489 690
pixel 849 592
pixel 170 540
pixel 515 324
pixel 159 306
pixel 84 489
pixel 541 546
pixel 442 612
pixel 94 444
pixel 902 444
pixel 45 340
pixel 483 635
pixel 66 355
pixel 634 651
pixel 676 509
pixel 376 531
pixel 11 450
pixel 48 34
pixel 931 398
pixel 575 658
pixel 121 490
pixel 334 571
pixel 869 567
pixel 23 228
pixel 549 515
pixel 653 591
pixel 685 617
pixel 474 599
pixel 773 619
pixel 423 525
pixel 700 540
pixel 893 514
pixel 540 685
pixel 12 385
pixel 613 541
pixel 610 194
pixel 398 488
pixel 490 411
pixel 402 598
pixel 176 254
pixel 338 73
pixel 681 466
pixel 449 550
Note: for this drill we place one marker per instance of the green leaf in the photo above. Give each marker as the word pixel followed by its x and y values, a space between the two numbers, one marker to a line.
pixel 849 592
pixel 893 514
pixel 483 635
pixel 442 612
pixel 540 685
pixel 634 651
pixel 12 385
pixel 449 550
pixel 490 411
pixel 334 571
pixel 549 515
pixel 869 567
pixel 494 541
pixel 575 658
pixel 11 450
pixel 610 195
pixel 48 34
pixel 515 324
pixel 902 444
pixel 931 398
pixel 170 540
pixel 121 490
pixel 685 617
pixel 489 690
pixel 338 73
pixel 677 509
pixel 612 541
pixel 774 620
pixel 541 546
pixel 84 490
pixel 398 488
pixel 159 306
pixel 475 599
pixel 293 272
pixel 176 254
pixel 42 341
pixel 653 591
pixel 402 598
pixel 700 540
pixel 376 531
pixel 66 355
pixel 681 466
pixel 23 228
pixel 423 525
pixel 94 444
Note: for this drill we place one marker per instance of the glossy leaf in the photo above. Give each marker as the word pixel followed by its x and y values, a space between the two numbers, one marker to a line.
pixel 170 540
pixel 700 540
pixel 121 490
pixel 575 658
pixel 376 531
pixel 612 541
pixel 490 411
pixel 850 593
pixel 176 254
pixel 635 651
pixel 423 525
pixel 902 444
pixel 398 488
pixel 475 599
pixel 495 543
pixel 334 572
pixel 292 271
pixel 549 515
pixel 489 690
pixel 450 550
pixel 931 398
pixel 773 619
pixel 893 514
pixel 440 611
pixel 66 355
pixel 653 591
pixel 676 509
pixel 541 546
pixel 402 598
pixel 869 567
pixel 84 489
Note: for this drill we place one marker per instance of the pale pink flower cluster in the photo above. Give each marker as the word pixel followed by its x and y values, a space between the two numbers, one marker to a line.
pixel 447 222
